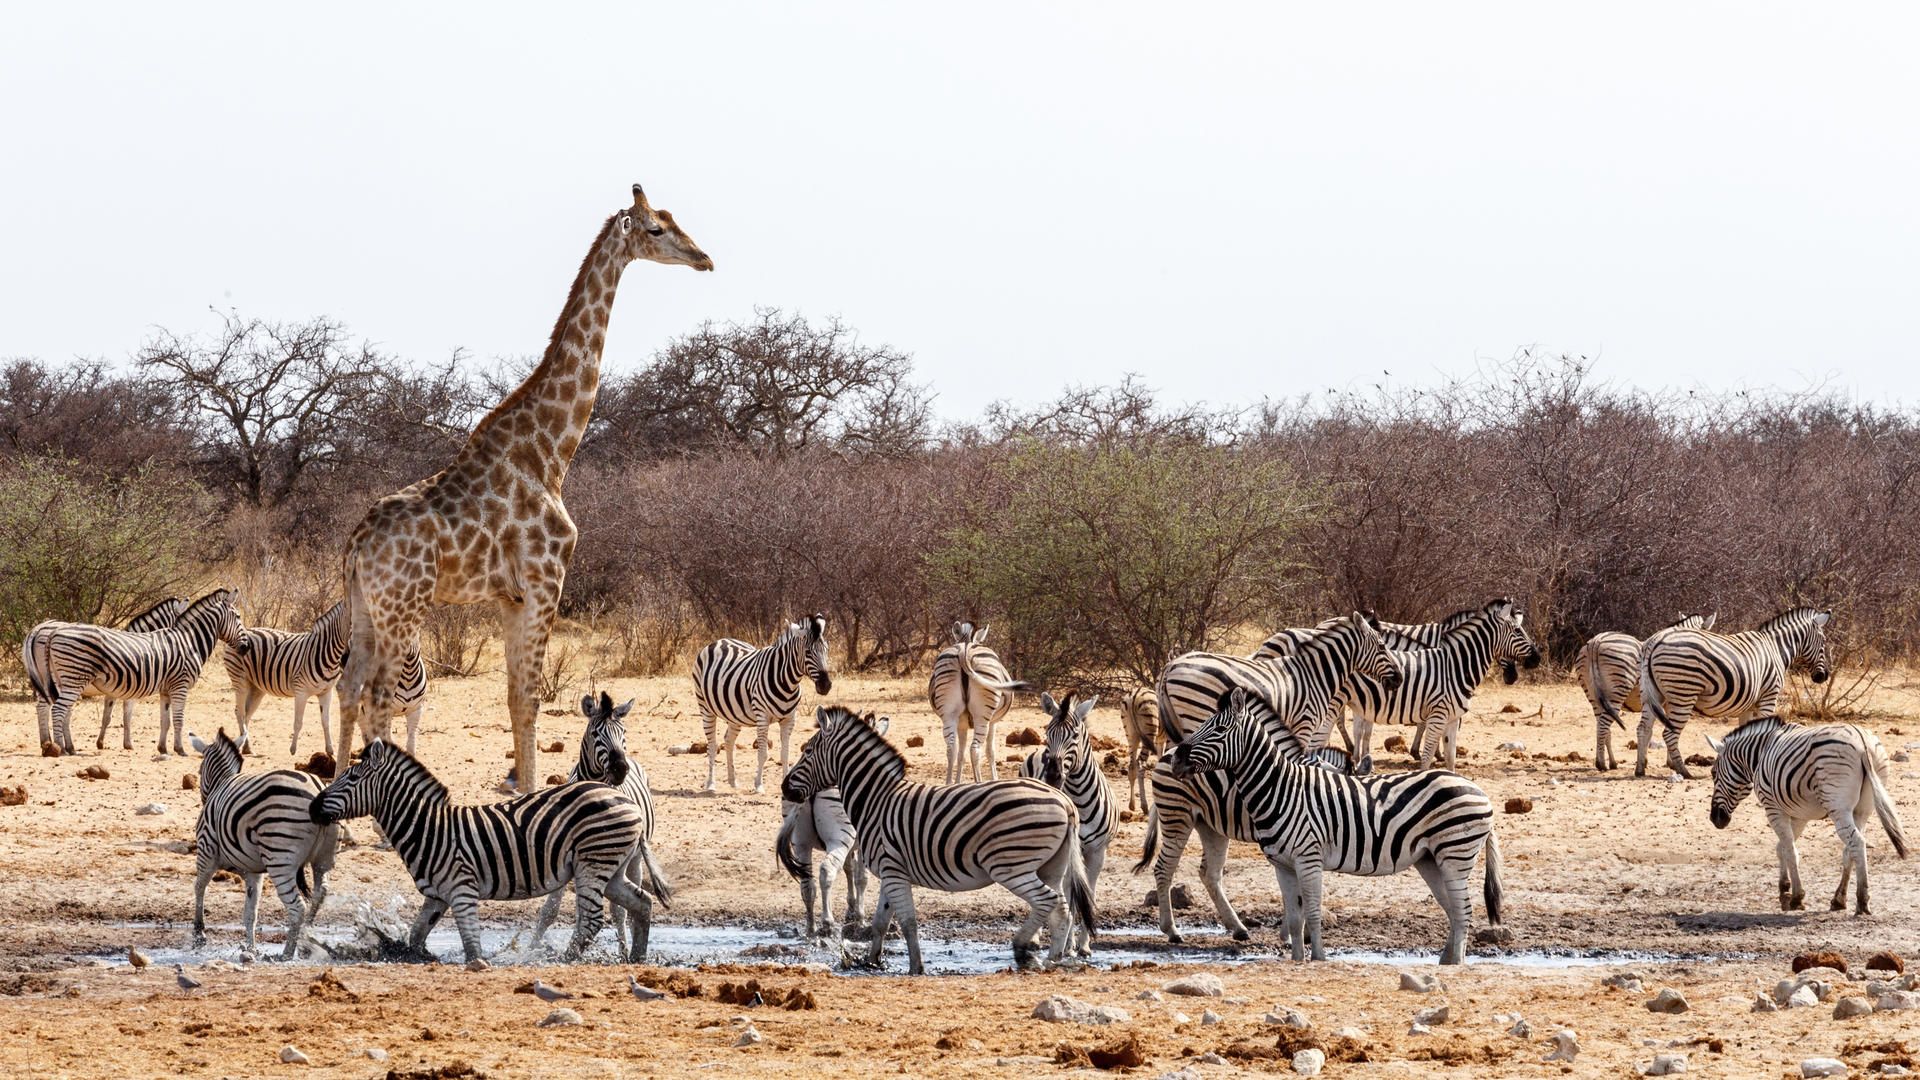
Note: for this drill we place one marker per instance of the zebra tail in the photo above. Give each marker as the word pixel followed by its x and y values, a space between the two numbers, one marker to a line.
pixel 1884 808
pixel 1151 848
pixel 798 865
pixel 1650 695
pixel 1592 656
pixel 34 654
pixel 300 882
pixel 1079 892
pixel 656 878
pixel 1492 889
pixel 968 671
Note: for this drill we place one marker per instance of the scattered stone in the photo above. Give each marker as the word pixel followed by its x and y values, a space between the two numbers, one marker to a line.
pixel 1819 960
pixel 1823 1067
pixel 13 796
pixel 479 964
pixel 561 1018
pixel 1354 1033
pixel 749 1037
pixel 1668 1000
pixel 1148 995
pixel 1421 983
pixel 1309 1062
pixel 374 1053
pixel 1493 935
pixel 1511 746
pixel 1209 1018
pixel 1436 1015
pixel 1889 1068
pixel 1211 1058
pixel 916 740
pixel 93 772
pixel 1290 1018
pixel 1201 985
pixel 1062 1009
pixel 1566 1046
pixel 293 1057
pixel 1849 1007
pixel 1520 806
pixel 1626 980
pixel 1418 1028
pixel 1897 1001
pixel 1665 1065
pixel 1763 1004
pixel 189 782
pixel 1804 998
pixel 1886 961
pixel 152 809
pixel 1521 1029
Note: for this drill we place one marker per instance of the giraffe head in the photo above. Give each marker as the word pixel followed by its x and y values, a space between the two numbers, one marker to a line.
pixel 646 233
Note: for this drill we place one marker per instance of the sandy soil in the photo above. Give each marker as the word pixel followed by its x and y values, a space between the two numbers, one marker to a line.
pixel 1601 864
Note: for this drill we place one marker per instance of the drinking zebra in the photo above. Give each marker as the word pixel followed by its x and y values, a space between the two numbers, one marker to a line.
pixel 1437 683
pixel 970 690
pixel 1302 689
pixel 1209 804
pixel 1609 667
pixel 1140 716
pixel 67 658
pixel 259 824
pixel 741 685
pixel 288 663
pixel 1021 834
pixel 1801 774
pixel 821 824
pixel 1741 676
pixel 409 697
pixel 603 756
pixel 157 617
pixel 1309 821
pixel 523 847
pixel 1067 763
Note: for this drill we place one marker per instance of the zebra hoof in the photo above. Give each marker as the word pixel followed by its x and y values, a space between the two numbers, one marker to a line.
pixel 1837 905
pixel 1176 939
pixel 1243 935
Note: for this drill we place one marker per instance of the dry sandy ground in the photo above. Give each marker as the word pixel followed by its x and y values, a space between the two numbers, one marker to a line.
pixel 1606 864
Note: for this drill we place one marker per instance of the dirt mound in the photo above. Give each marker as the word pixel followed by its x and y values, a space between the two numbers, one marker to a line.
pixel 1820 959
pixel 321 764
pixel 1025 737
pixel 1458 1050
pixel 328 987
pixel 1336 1047
pixel 1886 961
pixel 1122 1053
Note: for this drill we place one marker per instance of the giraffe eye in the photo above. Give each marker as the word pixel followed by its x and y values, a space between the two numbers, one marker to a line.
pixel 656 231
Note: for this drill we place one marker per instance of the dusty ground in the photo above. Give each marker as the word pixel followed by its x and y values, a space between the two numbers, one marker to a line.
pixel 1601 864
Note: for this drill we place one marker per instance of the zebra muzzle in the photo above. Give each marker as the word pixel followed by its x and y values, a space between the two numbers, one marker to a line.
pixel 1719 817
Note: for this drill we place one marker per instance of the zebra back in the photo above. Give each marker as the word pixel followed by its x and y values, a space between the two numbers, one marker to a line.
pixel 286 662
pixel 123 664
pixel 1302 689
pixel 968 671
pixel 158 617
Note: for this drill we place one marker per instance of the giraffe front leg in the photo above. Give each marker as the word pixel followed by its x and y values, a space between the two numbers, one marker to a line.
pixel 529 623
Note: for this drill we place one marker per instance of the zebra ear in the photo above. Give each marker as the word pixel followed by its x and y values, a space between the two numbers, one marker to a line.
pixel 1713 746
pixel 1711 617
pixel 1081 710
pixel 817 626
pixel 586 706
pixel 980 635
pixel 820 717
pixel 1050 706
pixel 1821 618
pixel 882 724
pixel 1519 618
pixel 620 711
pixel 199 747
pixel 1239 699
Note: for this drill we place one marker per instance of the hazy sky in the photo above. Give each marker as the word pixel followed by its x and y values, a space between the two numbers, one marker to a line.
pixel 1232 200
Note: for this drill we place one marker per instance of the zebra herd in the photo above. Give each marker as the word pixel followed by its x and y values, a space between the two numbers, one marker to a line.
pixel 1231 747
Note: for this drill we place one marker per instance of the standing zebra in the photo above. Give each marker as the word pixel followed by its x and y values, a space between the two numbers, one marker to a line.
pixel 69 657
pixel 1437 683
pixel 287 663
pixel 741 685
pixel 1399 635
pixel 1801 774
pixel 409 697
pixel 1140 716
pixel 603 756
pixel 1609 667
pixel 1067 763
pixel 157 617
pixel 1740 676
pixel 1302 689
pixel 971 690
pixel 524 847
pixel 1019 833
pixel 1310 820
pixel 821 824
pixel 258 824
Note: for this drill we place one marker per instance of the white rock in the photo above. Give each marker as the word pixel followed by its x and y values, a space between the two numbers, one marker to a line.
pixel 1211 1058
pixel 1183 1074
pixel 1762 1003
pixel 1180 1018
pixel 1897 1001
pixel 1675 778
pixel 1665 1065
pixel 560 1018
pixel 1823 1067
pixel 1511 746
pixel 1803 998
pixel 1309 1062
pixel 1422 983
pixel 1418 1028
pixel 1148 995
pixel 1668 1000
pixel 1201 985
pixel 1209 1018
pixel 1626 980
pixel 1286 1017
pixel 152 809
pixel 292 1057
pixel 1849 1007
pixel 1060 1008
pixel 1902 756
pixel 1521 1029
pixel 1566 1045
pixel 1354 1033
pixel 374 1053
pixel 1436 1015
pixel 750 1037
pixel 1890 1069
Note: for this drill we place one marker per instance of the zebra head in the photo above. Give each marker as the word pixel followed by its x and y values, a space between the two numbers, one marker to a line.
pixel 1813 646
pixel 818 766
pixel 1221 742
pixel 1512 645
pixel 1373 658
pixel 216 614
pixel 1693 620
pixel 220 760
pixel 1733 765
pixel 963 633
pixel 603 747
pixel 360 790
pixel 814 663
pixel 1068 743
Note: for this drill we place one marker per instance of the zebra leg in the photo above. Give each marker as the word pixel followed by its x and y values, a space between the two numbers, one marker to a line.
pixel 62 710
pixel 43 715
pixel 286 883
pixel 1449 886
pixel 413 724
pixel 762 742
pixel 1670 732
pixel 106 721
pixel 1213 866
pixel 1136 777
pixel 950 727
pixel 548 910
pixel 590 889
pixel 1642 735
pixel 1792 896
pixel 1362 745
pixel 251 913
pixel 299 717
pixel 431 909
pixel 126 725
pixel 1602 742
pixel 203 873
pixel 1174 830
pixel 1450 726
pixel 324 700
pixel 856 887
pixel 1853 855
pixel 786 738
pixel 639 909
pixel 174 714
pixel 1311 883
pixel 1092 861
pixel 891 891
pixel 993 771
pixel 466 917
pixel 833 858
pixel 708 726
pixel 1289 882
pixel 909 927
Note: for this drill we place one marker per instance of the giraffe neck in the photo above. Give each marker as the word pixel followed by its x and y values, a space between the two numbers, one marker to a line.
pixel 540 424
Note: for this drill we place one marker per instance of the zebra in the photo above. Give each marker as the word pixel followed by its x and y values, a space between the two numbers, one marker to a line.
pixel 959 837
pixel 524 847
pixel 157 617
pixel 68 658
pixel 287 663
pixel 1438 682
pixel 258 824
pixel 970 690
pixel 1302 689
pixel 1609 667
pixel 602 745
pixel 1398 635
pixel 741 685
pixel 1800 774
pixel 1209 803
pixel 409 697
pixel 1310 820
pixel 821 824
pixel 1066 762
pixel 1724 675
pixel 1140 716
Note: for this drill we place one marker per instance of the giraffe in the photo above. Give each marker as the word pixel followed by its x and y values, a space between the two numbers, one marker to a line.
pixel 491 526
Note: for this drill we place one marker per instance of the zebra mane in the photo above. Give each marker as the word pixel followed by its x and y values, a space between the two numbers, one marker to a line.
pixel 176 603
pixel 1757 724
pixel 840 718
pixel 219 762
pixel 429 786
pixel 331 616
pixel 214 597
pixel 1324 641
pixel 1790 617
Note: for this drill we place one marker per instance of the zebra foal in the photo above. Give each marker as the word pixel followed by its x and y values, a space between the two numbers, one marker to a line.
pixel 1020 834
pixel 1609 668
pixel 739 685
pixel 526 846
pixel 970 690
pixel 1741 676
pixel 256 824
pixel 1067 763
pixel 290 664
pixel 821 824
pixel 1801 774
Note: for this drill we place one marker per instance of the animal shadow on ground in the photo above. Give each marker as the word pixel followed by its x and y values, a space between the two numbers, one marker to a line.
pixel 1737 920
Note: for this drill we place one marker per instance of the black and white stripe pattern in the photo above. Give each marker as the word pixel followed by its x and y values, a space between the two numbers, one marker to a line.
pixel 1398 635
pixel 821 824
pixel 1609 670
pixel 970 690
pixel 1067 763
pixel 254 824
pixel 744 686
pixel 1309 821
pixel 1801 774
pixel 1736 676
pixel 157 617
pixel 1140 717
pixel 524 847
pixel 289 664
pixel 67 658
pixel 1302 689
pixel 409 698
pixel 1021 834
pixel 603 756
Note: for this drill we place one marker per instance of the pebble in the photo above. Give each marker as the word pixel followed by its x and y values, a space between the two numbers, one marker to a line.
pixel 1665 1065
pixel 1897 1001
pixel 1354 1033
pixel 1148 995
pixel 1183 1074
pixel 293 1057
pixel 1849 1007
pixel 1511 746
pixel 1674 778
pixel 1890 1069
pixel 1286 1017
pixel 1668 1000
pixel 1201 985
pixel 1422 983
pixel 1566 1045
pixel 1823 1067
pixel 1521 1029
pixel 1763 1004
pixel 1309 1062
pixel 1624 981
pixel 560 1018
pixel 152 809
pixel 1418 1028
pixel 1060 1008
pixel 1209 1018
pixel 1493 935
pixel 1181 1018
pixel 1436 1015
pixel 1805 997
pixel 750 1037
pixel 374 1053
pixel 1211 1058
pixel 1902 756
